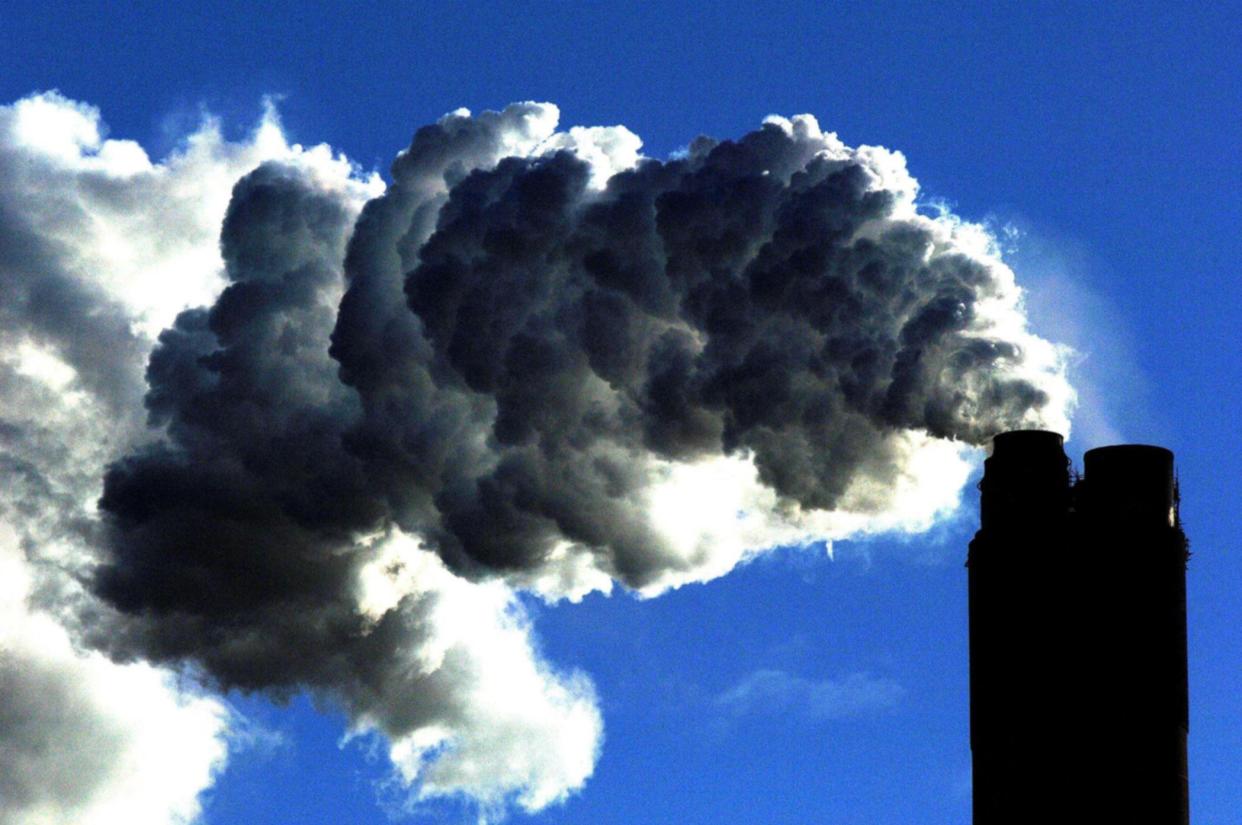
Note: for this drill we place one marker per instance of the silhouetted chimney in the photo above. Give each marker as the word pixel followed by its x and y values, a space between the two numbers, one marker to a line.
pixel 1078 707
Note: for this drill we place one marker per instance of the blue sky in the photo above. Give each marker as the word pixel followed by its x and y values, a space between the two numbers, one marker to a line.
pixel 1106 136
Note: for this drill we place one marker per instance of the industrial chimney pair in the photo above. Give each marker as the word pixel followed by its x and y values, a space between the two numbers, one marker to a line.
pixel 1078 682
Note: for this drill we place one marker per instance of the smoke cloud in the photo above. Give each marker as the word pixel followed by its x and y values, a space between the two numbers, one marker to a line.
pixel 776 692
pixel 331 451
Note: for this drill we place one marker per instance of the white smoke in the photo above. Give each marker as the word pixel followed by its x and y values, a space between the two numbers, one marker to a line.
pixel 508 726
pixel 87 741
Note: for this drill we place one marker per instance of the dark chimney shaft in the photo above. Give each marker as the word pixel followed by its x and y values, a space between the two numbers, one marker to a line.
pixel 1078 708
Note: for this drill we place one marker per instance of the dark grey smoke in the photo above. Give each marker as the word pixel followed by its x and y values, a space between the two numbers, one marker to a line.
pixel 236 519
pixel 235 541
pixel 515 355
pixel 559 338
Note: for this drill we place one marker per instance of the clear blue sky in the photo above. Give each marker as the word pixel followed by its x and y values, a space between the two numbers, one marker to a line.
pixel 1107 133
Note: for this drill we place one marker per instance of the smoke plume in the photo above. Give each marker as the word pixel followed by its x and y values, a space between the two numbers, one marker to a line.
pixel 537 361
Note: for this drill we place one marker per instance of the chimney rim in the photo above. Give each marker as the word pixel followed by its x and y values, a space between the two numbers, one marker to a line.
pixel 1113 451
pixel 1025 441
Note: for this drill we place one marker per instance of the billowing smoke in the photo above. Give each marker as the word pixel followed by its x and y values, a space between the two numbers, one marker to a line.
pixel 538 361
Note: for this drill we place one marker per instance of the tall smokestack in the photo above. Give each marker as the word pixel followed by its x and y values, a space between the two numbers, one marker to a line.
pixel 1078 673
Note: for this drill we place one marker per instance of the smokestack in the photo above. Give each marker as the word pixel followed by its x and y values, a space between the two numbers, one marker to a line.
pixel 1078 674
